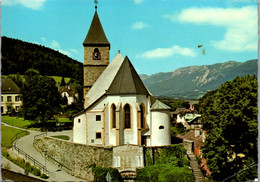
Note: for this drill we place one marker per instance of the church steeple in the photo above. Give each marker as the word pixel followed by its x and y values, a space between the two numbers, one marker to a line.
pixel 96 35
pixel 96 52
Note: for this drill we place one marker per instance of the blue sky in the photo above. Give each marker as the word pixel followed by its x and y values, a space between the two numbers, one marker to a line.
pixel 156 35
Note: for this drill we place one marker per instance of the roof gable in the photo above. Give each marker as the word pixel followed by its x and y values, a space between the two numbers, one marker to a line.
pixel 158 105
pixel 127 81
pixel 8 86
pixel 96 34
pixel 104 81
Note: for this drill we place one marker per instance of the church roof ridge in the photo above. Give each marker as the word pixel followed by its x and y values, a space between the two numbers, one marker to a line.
pixel 96 34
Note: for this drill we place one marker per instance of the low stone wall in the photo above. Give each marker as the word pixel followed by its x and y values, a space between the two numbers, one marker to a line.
pixel 75 158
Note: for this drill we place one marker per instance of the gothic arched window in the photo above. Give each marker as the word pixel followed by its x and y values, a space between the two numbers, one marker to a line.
pixel 127 116
pixel 113 116
pixel 96 54
pixel 142 110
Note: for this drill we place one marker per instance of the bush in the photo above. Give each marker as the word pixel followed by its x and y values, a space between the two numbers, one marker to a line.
pixel 164 172
pixel 100 173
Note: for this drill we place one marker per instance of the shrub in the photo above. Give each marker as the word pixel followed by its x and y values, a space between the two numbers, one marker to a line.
pixel 164 172
pixel 100 173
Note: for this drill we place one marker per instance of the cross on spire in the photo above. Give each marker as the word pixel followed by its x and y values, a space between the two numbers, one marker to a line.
pixel 96 2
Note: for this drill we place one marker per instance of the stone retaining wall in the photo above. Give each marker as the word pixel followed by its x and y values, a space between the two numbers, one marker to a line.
pixel 75 158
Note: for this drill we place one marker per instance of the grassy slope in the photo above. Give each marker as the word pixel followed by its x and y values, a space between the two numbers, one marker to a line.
pixel 14 121
pixel 7 134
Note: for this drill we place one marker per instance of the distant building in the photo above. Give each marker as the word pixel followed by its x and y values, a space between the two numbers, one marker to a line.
pixel 118 108
pixel 68 91
pixel 10 96
pixel 189 118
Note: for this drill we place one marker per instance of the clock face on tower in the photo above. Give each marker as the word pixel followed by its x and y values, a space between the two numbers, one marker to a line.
pixel 96 54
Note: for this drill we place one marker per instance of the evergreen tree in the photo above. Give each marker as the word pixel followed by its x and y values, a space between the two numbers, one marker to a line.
pixel 63 83
pixel 41 98
pixel 230 119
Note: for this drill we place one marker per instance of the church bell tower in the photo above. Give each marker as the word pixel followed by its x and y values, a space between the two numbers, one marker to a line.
pixel 96 53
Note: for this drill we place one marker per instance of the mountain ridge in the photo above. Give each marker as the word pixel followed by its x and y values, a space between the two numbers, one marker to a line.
pixel 192 82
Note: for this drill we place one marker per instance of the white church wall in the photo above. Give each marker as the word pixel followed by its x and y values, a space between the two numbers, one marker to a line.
pixel 94 119
pixel 107 126
pixel 130 135
pixel 142 99
pixel 160 128
pixel 111 99
pixel 79 129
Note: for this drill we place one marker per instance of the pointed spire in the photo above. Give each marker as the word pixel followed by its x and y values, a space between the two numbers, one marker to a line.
pixel 96 35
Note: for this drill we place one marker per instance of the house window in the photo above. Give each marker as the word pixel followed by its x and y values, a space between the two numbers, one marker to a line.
pixel 17 108
pixel 127 116
pixel 2 98
pixel 9 98
pixel 2 109
pixel 161 127
pixel 9 108
pixel 92 140
pixel 142 116
pixel 16 98
pixel 98 135
pixel 96 54
pixel 98 117
pixel 78 120
pixel 113 115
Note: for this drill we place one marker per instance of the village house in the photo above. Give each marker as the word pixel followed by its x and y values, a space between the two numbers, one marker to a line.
pixel 10 96
pixel 118 108
pixel 189 118
pixel 68 92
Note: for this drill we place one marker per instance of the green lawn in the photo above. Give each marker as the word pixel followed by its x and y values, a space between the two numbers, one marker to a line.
pixel 64 120
pixel 8 133
pixel 21 123
pixel 63 137
pixel 15 121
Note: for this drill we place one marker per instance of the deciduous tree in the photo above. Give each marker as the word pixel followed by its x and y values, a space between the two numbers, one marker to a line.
pixel 230 119
pixel 41 98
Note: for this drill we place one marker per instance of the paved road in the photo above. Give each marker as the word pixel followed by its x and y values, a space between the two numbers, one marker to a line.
pixel 26 144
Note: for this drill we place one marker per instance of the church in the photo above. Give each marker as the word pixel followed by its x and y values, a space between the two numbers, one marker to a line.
pixel 118 108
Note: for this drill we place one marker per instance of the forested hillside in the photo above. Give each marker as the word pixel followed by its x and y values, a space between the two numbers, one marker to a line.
pixel 18 56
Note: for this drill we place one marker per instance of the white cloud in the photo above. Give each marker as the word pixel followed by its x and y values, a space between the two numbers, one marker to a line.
pixel 167 52
pixel 138 25
pixel 43 39
pixel 138 1
pixel 55 44
pixel 75 51
pixel 240 23
pixel 64 52
pixel 32 4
